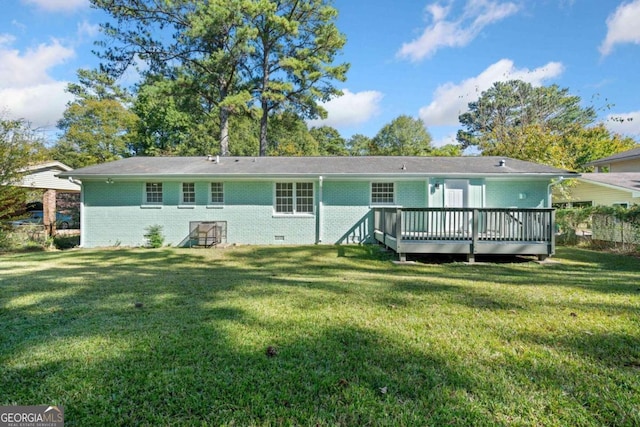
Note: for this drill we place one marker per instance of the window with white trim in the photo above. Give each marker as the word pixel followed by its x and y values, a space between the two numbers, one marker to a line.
pixel 217 193
pixel 153 193
pixel 294 198
pixel 382 193
pixel 188 193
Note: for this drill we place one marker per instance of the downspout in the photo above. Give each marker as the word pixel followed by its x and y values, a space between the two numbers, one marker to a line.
pixel 320 205
pixel 549 194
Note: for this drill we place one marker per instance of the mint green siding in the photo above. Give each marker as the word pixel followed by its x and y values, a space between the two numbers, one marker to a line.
pixel 531 193
pixel 114 214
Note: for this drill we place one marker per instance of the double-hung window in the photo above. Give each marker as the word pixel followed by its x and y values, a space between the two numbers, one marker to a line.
pixel 188 193
pixel 294 198
pixel 217 193
pixel 382 193
pixel 153 193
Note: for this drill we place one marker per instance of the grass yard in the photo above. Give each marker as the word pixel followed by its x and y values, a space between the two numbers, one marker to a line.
pixel 320 335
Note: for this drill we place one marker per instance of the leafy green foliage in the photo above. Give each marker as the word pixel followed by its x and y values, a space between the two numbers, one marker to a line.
pixel 19 148
pixel 293 62
pixel 154 236
pixel 330 143
pixel 541 124
pixel 98 125
pixel 220 59
pixel 613 221
pixel 404 136
pixel 289 136
pixel 507 108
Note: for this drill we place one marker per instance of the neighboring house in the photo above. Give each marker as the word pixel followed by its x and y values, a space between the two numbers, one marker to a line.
pixel 603 189
pixel 309 200
pixel 44 177
pixel 627 161
pixel 616 182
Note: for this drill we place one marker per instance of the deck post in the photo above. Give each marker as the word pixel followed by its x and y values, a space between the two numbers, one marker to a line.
pixel 398 233
pixel 474 231
pixel 552 233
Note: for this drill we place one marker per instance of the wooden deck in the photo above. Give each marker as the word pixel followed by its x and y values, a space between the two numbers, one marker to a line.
pixel 469 231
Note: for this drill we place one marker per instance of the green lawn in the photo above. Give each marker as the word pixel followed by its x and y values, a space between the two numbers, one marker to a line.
pixel 358 339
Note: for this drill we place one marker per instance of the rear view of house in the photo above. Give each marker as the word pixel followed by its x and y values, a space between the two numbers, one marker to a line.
pixel 307 200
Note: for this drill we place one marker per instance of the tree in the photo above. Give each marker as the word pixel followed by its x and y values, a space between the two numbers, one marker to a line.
pixel 230 55
pixel 98 124
pixel 289 136
pixel 169 123
pixel 592 143
pixel 448 150
pixel 404 136
pixel 330 142
pixel 19 147
pixel 541 124
pixel 292 65
pixel 360 145
pixel 200 45
pixel 497 123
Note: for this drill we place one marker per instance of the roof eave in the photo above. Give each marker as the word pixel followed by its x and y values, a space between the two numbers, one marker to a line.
pixel 139 176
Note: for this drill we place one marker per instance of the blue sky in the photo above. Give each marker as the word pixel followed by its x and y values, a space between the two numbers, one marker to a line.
pixel 423 58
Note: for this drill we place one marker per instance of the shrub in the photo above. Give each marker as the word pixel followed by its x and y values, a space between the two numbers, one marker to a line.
pixel 154 236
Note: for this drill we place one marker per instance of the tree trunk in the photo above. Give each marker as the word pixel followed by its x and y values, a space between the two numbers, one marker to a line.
pixel 224 132
pixel 263 128
pixel 49 212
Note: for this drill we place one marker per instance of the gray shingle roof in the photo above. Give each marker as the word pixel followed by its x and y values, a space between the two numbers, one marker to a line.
pixel 141 167
pixel 625 155
pixel 624 180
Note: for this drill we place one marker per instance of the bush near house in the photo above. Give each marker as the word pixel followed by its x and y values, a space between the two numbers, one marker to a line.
pixel 608 226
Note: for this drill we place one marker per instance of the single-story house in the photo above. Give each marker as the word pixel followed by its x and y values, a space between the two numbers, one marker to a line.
pixel 44 176
pixel 616 182
pixel 603 189
pixel 465 205
pixel 626 161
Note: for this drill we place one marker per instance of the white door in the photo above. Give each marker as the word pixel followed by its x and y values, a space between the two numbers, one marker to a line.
pixel 454 197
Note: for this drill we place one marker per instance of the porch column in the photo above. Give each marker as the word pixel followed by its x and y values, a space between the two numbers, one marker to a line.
pixel 49 212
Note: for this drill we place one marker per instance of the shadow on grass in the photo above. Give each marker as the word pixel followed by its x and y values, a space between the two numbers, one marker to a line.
pixel 195 351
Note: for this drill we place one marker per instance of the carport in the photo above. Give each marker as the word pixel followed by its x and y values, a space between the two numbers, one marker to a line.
pixel 43 177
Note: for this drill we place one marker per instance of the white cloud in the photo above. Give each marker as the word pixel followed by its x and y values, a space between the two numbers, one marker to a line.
pixel 624 123
pixel 447 139
pixel 42 105
pixel 622 27
pixel 26 89
pixel 59 5
pixel 450 99
pixel 350 109
pixel 88 30
pixel 22 70
pixel 457 32
pixel 6 39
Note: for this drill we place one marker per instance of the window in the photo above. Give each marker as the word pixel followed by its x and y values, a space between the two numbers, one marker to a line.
pixel 382 193
pixel 153 193
pixel 304 197
pixel 217 193
pixel 294 198
pixel 188 193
